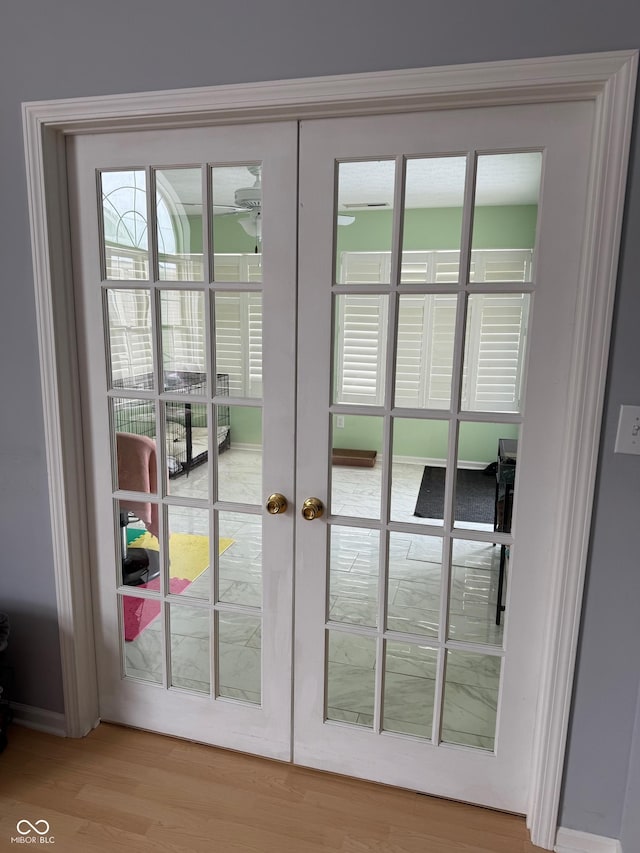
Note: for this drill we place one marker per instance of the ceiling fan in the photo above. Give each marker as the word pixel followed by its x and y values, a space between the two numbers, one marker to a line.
pixel 248 201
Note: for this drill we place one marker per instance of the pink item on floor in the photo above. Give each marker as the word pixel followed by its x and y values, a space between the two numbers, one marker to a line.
pixel 139 613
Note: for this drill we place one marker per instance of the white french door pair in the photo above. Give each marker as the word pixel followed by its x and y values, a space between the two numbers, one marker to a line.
pixel 359 319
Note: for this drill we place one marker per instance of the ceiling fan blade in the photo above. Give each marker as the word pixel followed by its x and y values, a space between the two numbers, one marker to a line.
pixel 226 209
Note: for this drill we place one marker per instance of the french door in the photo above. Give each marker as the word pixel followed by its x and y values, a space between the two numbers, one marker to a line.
pixel 436 279
pixel 187 333
pixel 445 324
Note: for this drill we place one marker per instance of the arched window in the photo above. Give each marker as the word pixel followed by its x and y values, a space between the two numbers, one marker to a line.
pixel 124 205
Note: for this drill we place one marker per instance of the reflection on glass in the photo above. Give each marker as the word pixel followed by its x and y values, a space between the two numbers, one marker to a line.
pixel 240 468
pixel 364 222
pixel 505 216
pixel 360 344
pixel 351 672
pixel 417 490
pixel 189 556
pixel 138 561
pixel 183 341
pixel 240 558
pixel 142 636
pixel 356 475
pixel 474 592
pixel 238 332
pixel 239 656
pixel 415 571
pixel 494 351
pixel 434 198
pixel 136 457
pixel 179 226
pixel 134 424
pixel 409 689
pixel 485 480
pixel 190 632
pixel 237 223
pixel 500 265
pixel 124 221
pixel 424 353
pixel 471 688
pixel 130 346
pixel 187 440
pixel 353 575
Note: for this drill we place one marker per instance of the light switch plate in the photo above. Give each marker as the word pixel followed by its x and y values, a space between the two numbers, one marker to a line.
pixel 628 437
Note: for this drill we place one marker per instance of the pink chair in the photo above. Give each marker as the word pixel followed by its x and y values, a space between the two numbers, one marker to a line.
pixel 138 472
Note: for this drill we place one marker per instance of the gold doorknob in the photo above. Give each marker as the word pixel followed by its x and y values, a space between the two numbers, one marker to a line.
pixel 276 504
pixel 312 508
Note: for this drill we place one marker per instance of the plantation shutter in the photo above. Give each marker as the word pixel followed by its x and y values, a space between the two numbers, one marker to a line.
pixel 129 338
pixel 254 344
pixel 183 331
pixel 502 265
pixel 411 350
pixel 126 263
pixel 446 266
pixel 227 267
pixel 439 362
pixel 229 341
pixel 361 346
pixel 416 267
pixel 494 348
pixel 365 268
pixel 497 322
pixel 360 330
pixel 251 268
pixel 424 363
pixel 239 326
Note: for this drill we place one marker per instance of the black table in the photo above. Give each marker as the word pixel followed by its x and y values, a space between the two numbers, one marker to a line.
pixel 505 479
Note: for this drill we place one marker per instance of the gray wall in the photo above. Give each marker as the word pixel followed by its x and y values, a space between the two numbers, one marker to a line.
pixel 70 48
pixel 630 834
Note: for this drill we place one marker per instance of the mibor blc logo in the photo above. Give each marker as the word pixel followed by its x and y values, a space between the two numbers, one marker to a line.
pixel 33 833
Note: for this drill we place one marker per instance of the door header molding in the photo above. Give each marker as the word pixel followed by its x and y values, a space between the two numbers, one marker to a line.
pixel 606 79
pixel 580 77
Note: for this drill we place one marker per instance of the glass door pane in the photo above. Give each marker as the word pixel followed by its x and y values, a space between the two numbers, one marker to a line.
pixel 124 218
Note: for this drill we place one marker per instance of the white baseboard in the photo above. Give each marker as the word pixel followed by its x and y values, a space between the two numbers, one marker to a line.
pixel 39 719
pixel 572 841
pixel 435 462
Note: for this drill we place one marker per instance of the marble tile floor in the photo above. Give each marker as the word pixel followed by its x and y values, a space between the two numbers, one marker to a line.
pixel 413 606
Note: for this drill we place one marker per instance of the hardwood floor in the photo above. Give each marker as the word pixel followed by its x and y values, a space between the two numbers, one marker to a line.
pixel 120 789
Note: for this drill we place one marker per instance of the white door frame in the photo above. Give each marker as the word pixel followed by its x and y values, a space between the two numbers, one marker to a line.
pixel 607 79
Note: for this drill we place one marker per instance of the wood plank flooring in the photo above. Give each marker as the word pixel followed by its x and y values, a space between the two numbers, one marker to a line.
pixel 120 789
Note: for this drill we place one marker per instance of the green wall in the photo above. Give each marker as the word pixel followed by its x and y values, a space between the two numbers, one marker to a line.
pixel 477 442
pixel 246 425
pixel 228 235
pixel 500 227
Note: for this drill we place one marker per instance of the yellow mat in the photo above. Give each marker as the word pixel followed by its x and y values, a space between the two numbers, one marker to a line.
pixel 188 553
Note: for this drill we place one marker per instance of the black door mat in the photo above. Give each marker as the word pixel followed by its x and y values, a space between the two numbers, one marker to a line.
pixel 475 495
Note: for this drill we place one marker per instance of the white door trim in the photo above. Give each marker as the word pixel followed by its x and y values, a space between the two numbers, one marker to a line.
pixel 608 79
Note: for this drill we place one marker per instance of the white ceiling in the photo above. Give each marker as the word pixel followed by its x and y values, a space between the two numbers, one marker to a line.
pixel 439 181
pixel 431 182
